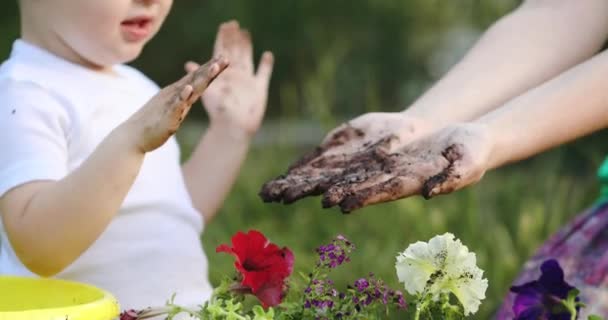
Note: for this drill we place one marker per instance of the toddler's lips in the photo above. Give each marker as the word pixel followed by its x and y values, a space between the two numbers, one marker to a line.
pixel 136 29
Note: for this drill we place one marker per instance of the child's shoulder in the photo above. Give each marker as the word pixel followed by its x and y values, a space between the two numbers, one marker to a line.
pixel 32 88
pixel 22 84
pixel 30 63
pixel 29 69
pixel 33 69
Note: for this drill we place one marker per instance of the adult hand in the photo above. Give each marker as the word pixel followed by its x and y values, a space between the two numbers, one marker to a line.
pixel 346 145
pixel 389 168
pixel 447 160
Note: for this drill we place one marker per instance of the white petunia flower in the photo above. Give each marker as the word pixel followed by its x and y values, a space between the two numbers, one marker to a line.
pixel 443 265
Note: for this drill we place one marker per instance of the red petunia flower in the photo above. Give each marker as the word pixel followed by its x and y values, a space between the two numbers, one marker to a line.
pixel 263 265
pixel 129 315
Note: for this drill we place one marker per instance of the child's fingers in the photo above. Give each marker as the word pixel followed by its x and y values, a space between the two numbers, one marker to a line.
pixel 185 95
pixel 227 35
pixel 184 112
pixel 191 66
pixel 190 87
pixel 265 69
pixel 246 45
pixel 243 52
pixel 209 70
pixel 205 74
pixel 186 92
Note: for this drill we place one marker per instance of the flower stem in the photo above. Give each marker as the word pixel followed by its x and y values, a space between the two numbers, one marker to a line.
pixel 150 313
pixel 421 307
pixel 313 275
pixel 573 314
pixel 571 307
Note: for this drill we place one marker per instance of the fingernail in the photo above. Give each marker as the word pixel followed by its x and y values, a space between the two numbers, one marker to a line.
pixel 433 192
pixel 326 202
pixel 268 55
pixel 214 68
pixel 290 197
pixel 425 192
pixel 186 92
pixel 349 204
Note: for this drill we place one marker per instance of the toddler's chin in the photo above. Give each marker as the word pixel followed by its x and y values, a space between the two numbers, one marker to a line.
pixel 129 58
pixel 128 54
pixel 116 56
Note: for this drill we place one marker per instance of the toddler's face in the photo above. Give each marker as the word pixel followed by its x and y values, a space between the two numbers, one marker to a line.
pixel 103 32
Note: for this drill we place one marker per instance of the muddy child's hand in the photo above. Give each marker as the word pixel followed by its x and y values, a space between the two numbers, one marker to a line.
pixel 348 144
pixel 160 117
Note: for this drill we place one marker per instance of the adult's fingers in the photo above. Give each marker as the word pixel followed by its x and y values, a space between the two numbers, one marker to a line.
pixel 351 184
pixel 329 151
pixel 272 191
pixel 393 189
pixel 313 185
pixel 461 170
pixel 307 177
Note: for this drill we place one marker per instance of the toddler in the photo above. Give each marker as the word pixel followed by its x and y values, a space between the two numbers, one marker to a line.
pixel 91 186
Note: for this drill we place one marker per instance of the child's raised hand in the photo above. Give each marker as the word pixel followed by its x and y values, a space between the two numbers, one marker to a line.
pixel 314 173
pixel 236 101
pixel 159 118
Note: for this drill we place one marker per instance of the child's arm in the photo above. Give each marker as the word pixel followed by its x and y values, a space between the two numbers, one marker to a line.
pixel 235 102
pixel 531 45
pixel 50 224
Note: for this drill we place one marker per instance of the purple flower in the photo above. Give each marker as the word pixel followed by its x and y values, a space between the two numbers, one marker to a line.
pixel 335 253
pixel 399 299
pixel 369 291
pixel 361 284
pixel 541 299
pixel 320 294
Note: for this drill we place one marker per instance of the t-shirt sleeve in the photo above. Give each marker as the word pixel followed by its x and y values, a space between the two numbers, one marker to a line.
pixel 33 135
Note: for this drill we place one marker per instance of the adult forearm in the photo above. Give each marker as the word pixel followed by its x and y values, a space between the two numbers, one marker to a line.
pixel 213 167
pixel 62 219
pixel 533 44
pixel 570 106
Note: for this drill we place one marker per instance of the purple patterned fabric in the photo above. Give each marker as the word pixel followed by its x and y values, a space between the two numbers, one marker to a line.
pixel 582 250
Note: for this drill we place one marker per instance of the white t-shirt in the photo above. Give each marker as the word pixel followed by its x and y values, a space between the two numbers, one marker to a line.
pixel 53 114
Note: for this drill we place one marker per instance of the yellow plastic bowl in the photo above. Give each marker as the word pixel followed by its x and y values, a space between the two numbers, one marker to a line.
pixel 52 299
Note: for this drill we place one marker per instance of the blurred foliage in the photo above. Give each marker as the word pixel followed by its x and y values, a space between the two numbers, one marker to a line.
pixel 342 56
pixel 334 60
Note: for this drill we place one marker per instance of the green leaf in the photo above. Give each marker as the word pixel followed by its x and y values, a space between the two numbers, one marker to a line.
pixel 261 314
pixel 570 303
pixel 572 294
